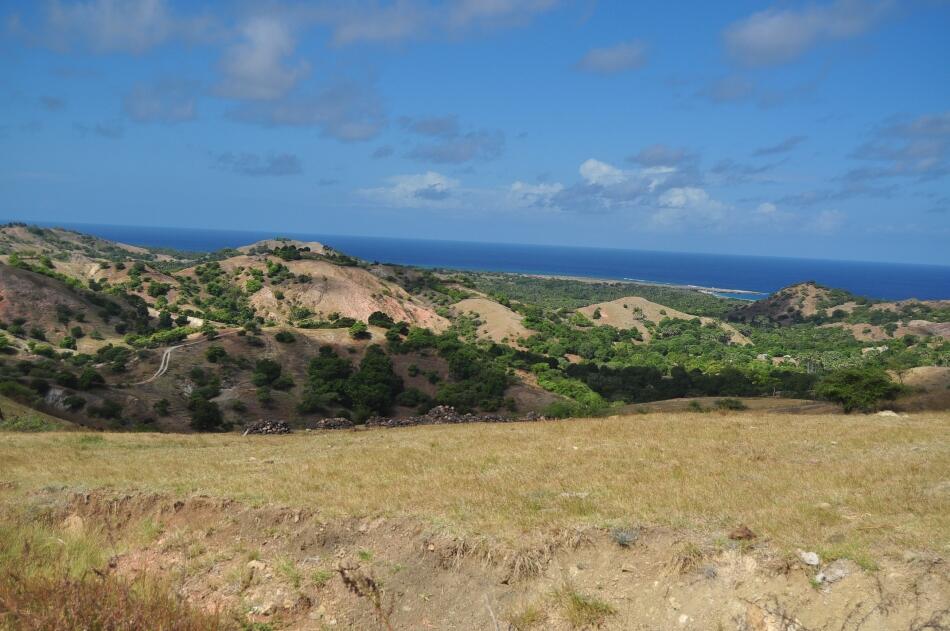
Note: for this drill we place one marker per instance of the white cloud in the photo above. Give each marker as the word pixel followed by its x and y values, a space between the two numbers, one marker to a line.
pixel 688 207
pixel 600 173
pixel 423 190
pixel 256 68
pixel 369 21
pixel 766 209
pixel 110 26
pixel 777 36
pixel 523 195
pixel 614 59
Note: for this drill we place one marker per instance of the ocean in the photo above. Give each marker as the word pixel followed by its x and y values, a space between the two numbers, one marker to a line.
pixel 755 274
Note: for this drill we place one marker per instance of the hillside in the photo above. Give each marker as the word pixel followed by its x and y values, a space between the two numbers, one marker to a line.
pixel 495 321
pixel 114 336
pixel 641 314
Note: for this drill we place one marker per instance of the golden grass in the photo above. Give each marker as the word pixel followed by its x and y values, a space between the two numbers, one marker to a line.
pixel 873 484
pixel 53 580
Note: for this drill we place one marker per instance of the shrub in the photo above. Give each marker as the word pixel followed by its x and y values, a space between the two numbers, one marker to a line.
pixel 215 353
pixel 731 404
pixel 161 407
pixel 860 389
pixel 359 331
pixel 285 337
pixel 205 415
pixel 266 372
pixel 380 319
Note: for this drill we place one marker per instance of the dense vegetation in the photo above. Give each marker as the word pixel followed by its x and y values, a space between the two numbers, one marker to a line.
pixel 152 302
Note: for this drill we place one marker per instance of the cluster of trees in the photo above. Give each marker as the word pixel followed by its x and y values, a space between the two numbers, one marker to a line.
pixel 332 384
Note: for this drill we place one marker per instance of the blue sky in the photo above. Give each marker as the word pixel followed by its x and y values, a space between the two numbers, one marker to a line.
pixel 817 129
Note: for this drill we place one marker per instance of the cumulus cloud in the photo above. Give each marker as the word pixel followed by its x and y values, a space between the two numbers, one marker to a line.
pixel 163 102
pixel 255 165
pixel 600 173
pixel 347 111
pixel 661 155
pixel 423 190
pixel 781 147
pixel 370 21
pixel 605 188
pixel 729 171
pixel 437 126
pixel 911 147
pixel 451 146
pixel 257 67
pixel 107 26
pixel 777 36
pixel 614 59
pixel 687 207
pixel 524 195
pixel 737 88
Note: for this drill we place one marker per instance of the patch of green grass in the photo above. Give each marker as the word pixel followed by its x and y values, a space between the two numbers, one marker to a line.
pixel 320 577
pixel 29 424
pixel 581 610
pixel 848 550
pixel 528 617
pixel 365 555
pixel 288 568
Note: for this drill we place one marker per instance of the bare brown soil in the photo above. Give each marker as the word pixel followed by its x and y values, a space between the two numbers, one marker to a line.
pixel 635 312
pixel 280 566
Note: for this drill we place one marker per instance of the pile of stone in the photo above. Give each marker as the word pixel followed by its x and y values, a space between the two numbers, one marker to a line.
pixel 333 423
pixel 267 427
pixel 446 414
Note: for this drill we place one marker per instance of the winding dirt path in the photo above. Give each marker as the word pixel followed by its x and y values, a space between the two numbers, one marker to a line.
pixel 167 357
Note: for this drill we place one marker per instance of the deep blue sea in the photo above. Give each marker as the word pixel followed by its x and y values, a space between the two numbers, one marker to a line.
pixel 892 281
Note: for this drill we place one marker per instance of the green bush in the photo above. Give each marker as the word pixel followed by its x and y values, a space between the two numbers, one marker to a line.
pixel 862 389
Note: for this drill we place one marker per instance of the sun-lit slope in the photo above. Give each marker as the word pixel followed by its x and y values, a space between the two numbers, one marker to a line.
pixel 270 244
pixel 349 291
pixel 498 322
pixel 42 303
pixel 634 312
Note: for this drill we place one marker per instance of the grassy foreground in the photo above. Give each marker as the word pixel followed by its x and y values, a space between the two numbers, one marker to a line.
pixel 874 485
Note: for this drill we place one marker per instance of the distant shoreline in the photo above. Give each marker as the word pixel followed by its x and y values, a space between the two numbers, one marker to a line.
pixel 712 291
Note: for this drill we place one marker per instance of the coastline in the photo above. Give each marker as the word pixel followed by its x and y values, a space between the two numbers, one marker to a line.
pixel 712 291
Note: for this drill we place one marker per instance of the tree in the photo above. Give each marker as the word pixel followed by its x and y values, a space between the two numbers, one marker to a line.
pixel 205 415
pixel 215 353
pixel 285 337
pixel 860 389
pixel 380 319
pixel 266 372
pixel 359 331
pixel 374 387
pixel 161 407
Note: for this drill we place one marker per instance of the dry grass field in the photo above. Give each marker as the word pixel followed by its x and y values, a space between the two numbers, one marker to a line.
pixel 870 489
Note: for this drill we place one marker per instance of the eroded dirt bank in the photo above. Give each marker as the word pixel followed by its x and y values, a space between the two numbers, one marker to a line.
pixel 279 566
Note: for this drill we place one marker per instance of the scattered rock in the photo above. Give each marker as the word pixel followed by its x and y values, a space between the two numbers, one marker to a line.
pixel 809 558
pixel 742 533
pixel 710 571
pixel 256 566
pixel 267 427
pixel 334 423
pixel 446 414
pixel 834 572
